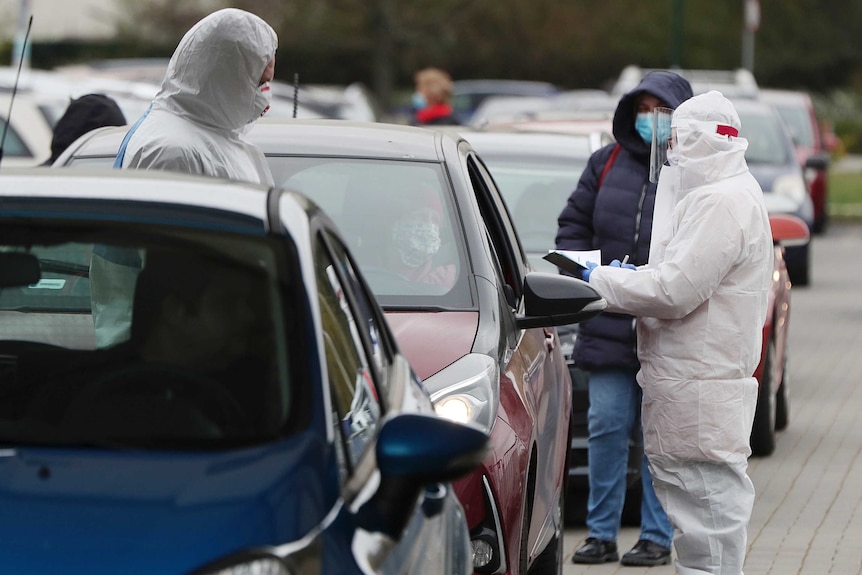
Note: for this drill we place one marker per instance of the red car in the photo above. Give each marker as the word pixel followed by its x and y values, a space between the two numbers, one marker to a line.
pixel 474 320
pixel 812 149
pixel 773 399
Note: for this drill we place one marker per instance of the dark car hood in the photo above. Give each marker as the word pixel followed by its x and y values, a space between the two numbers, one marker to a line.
pixel 89 511
pixel 452 334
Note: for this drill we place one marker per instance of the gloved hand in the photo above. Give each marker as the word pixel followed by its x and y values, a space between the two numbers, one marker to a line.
pixel 585 274
pixel 619 264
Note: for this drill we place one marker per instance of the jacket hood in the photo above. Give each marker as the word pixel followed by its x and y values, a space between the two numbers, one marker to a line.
pixel 215 70
pixel 669 87
pixel 84 114
pixel 707 129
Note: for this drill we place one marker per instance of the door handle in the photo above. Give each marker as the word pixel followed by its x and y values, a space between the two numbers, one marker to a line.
pixel 550 339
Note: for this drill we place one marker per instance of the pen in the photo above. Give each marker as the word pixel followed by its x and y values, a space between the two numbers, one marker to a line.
pixel 625 260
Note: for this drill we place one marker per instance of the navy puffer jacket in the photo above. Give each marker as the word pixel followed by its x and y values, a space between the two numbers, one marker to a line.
pixel 617 218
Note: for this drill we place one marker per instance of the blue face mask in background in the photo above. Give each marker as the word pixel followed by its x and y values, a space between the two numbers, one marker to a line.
pixel 419 102
pixel 644 126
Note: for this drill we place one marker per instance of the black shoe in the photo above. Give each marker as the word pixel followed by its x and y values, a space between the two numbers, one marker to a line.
pixel 596 551
pixel 646 554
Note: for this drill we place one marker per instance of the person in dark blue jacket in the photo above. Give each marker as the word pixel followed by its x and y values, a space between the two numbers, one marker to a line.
pixel 611 209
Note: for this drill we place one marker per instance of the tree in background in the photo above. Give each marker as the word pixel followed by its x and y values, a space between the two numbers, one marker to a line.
pixel 811 44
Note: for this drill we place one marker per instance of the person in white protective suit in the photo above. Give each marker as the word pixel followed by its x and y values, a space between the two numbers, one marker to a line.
pixel 216 87
pixel 701 302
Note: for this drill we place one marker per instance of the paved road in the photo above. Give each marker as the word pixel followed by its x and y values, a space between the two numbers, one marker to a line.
pixel 808 513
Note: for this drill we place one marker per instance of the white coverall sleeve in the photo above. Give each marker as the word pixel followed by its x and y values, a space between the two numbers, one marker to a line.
pixel 707 242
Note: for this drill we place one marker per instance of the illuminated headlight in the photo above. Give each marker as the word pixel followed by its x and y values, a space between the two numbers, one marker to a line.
pixel 792 187
pixel 467 391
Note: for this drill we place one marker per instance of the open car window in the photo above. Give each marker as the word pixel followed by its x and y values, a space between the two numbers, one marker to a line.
pixel 199 351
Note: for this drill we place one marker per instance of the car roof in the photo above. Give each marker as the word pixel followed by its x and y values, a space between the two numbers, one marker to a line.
pixel 137 186
pixel 738 82
pixel 317 137
pixel 528 144
pixel 786 97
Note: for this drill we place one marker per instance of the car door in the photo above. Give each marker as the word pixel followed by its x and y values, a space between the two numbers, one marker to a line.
pixel 360 369
pixel 543 379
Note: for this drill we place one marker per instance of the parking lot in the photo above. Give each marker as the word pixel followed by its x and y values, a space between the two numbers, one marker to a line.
pixel 808 513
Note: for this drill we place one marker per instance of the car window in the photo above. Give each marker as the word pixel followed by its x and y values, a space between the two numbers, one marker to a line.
pixel 767 140
pixel 798 121
pixel 500 227
pixel 398 219
pixel 208 362
pixel 14 147
pixel 351 376
pixel 536 191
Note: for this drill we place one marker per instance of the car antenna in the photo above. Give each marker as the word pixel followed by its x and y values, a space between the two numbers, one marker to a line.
pixel 295 92
pixel 15 88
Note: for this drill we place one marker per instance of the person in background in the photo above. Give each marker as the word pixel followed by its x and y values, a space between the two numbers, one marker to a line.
pixel 432 100
pixel 216 87
pixel 611 209
pixel 701 301
pixel 83 114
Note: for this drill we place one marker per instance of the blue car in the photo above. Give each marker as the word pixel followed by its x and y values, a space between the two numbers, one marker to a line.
pixel 195 379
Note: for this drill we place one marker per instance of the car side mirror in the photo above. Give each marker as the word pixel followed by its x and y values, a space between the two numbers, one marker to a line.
pixel 789 230
pixel 19 269
pixel 554 299
pixel 817 162
pixel 413 451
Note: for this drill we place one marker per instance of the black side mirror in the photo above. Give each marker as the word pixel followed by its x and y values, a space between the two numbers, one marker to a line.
pixel 817 162
pixel 553 299
pixel 18 269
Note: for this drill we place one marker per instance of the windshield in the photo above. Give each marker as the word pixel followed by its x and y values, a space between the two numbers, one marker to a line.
pixel 169 341
pixel 767 141
pixel 536 192
pixel 398 219
pixel 799 123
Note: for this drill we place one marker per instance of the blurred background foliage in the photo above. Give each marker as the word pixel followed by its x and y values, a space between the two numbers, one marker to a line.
pixel 812 45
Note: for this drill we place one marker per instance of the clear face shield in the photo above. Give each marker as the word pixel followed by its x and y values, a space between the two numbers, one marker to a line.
pixel 660 139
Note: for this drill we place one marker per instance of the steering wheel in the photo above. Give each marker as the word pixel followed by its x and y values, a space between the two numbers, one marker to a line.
pixel 151 400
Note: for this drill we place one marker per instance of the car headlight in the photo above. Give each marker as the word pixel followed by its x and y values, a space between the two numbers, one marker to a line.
pixel 792 187
pixel 467 391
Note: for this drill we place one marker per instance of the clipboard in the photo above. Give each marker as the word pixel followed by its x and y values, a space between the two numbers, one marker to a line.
pixel 573 261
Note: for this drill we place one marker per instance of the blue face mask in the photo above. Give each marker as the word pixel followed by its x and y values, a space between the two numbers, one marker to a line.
pixel 419 102
pixel 644 126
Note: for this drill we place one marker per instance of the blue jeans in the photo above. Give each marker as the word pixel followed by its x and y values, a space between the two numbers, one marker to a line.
pixel 615 404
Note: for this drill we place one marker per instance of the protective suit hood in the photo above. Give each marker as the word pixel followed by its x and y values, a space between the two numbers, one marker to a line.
pixel 214 73
pixel 707 132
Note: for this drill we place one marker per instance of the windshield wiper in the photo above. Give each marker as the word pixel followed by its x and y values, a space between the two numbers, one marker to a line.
pixel 61 267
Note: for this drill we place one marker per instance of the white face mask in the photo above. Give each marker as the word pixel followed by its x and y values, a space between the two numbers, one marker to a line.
pixel 673 156
pixel 416 239
pixel 262 100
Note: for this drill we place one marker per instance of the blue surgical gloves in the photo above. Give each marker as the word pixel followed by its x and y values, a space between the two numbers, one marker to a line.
pixel 585 273
pixel 619 264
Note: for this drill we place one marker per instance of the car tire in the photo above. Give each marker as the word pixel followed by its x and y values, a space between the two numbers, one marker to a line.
pixel 782 407
pixel 762 440
pixel 799 269
pixel 550 561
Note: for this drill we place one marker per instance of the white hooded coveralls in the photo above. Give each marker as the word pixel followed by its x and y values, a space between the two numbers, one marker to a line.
pixel 208 99
pixel 701 303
